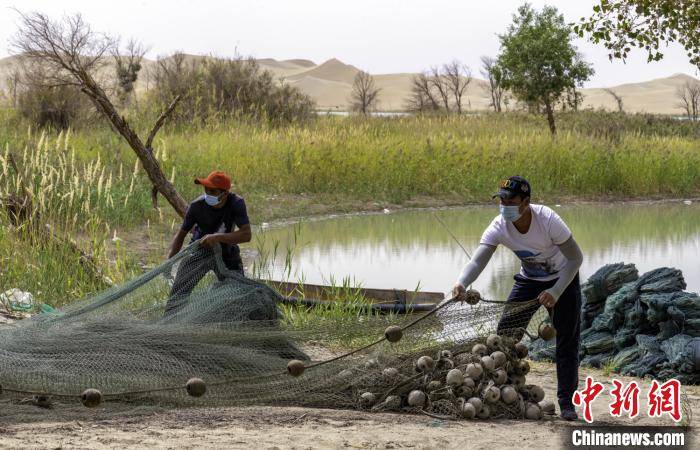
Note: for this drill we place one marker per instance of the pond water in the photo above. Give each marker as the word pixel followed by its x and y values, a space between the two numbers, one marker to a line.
pixel 412 249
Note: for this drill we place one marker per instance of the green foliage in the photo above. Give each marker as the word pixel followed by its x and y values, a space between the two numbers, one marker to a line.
pixel 624 24
pixel 127 73
pixel 609 367
pixel 538 59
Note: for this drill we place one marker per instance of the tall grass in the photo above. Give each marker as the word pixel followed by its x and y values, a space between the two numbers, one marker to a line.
pixel 93 173
pixel 52 271
pixel 398 159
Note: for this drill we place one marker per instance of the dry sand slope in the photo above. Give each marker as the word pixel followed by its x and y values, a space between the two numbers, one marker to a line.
pixel 126 426
pixel 330 84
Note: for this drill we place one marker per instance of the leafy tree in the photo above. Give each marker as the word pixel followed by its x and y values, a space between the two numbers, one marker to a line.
pixel 623 24
pixel 539 62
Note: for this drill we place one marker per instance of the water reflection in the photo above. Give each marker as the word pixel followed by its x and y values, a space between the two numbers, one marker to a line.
pixel 410 249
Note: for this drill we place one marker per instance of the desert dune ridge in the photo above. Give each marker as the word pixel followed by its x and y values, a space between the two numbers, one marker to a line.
pixel 330 84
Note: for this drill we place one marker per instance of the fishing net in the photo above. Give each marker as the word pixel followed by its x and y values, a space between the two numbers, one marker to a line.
pixel 191 331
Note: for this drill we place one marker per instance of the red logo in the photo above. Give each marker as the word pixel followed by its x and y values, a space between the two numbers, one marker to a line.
pixel 586 396
pixel 662 399
pixel 665 399
pixel 625 399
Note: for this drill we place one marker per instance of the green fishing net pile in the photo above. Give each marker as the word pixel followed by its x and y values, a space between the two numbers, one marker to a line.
pixel 638 325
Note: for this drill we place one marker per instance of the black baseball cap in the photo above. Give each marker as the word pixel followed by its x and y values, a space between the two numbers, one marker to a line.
pixel 512 186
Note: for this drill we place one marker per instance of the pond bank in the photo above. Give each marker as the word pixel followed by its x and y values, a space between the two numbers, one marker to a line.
pixel 317 212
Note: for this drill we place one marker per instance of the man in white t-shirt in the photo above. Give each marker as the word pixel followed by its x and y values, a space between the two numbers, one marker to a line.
pixel 550 259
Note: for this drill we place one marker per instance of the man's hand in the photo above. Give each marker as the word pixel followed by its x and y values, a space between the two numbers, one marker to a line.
pixel 546 299
pixel 459 292
pixel 209 240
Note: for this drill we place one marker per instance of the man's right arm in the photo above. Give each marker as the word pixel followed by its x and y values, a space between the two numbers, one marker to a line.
pixel 473 269
pixel 187 225
pixel 176 244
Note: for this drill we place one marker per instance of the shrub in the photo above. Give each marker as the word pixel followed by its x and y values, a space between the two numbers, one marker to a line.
pixel 56 107
pixel 214 88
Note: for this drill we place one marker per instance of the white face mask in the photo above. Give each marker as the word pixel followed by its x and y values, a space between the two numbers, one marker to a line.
pixel 510 213
pixel 211 200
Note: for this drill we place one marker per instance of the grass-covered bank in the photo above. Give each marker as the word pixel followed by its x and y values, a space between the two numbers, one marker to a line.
pixel 86 182
pixel 393 160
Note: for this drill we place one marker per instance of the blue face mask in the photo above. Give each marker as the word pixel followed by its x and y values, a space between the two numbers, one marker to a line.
pixel 211 200
pixel 510 213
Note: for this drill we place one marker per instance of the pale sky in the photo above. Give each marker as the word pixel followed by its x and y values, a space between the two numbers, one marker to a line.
pixel 381 36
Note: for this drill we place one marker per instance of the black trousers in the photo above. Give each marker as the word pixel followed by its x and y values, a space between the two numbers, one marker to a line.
pixel 190 272
pixel 566 319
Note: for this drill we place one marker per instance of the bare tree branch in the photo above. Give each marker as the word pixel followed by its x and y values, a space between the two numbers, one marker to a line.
pixel 73 52
pixel 365 95
pixel 618 99
pixel 689 98
pixel 457 77
pixel 422 97
pixel 439 82
pixel 45 98
pixel 161 120
pixel 492 73
pixel 572 99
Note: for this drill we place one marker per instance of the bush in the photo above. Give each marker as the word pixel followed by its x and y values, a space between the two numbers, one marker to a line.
pixel 56 107
pixel 33 91
pixel 213 88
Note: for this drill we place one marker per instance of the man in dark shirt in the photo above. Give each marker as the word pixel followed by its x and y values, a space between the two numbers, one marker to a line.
pixel 212 218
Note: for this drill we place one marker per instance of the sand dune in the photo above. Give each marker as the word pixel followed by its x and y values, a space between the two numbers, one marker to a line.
pixel 654 96
pixel 333 94
pixel 330 84
pixel 301 62
pixel 332 70
pixel 284 69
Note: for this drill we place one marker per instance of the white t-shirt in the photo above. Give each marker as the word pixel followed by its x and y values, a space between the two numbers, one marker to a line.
pixel 537 249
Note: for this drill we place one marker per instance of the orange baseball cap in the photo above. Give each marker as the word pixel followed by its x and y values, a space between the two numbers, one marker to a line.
pixel 215 180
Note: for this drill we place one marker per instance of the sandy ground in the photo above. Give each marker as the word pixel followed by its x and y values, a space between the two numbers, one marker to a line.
pixel 115 425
